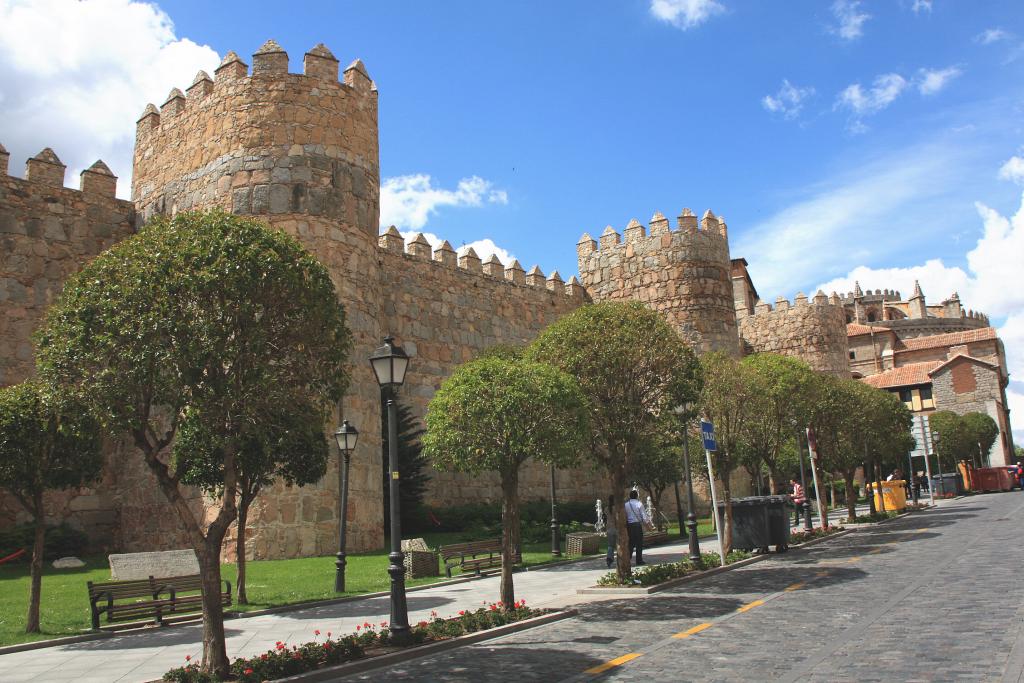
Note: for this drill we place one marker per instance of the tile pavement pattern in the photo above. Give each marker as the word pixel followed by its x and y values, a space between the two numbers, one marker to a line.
pixel 931 597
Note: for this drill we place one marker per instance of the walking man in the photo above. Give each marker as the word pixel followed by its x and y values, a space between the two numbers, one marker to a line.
pixel 636 518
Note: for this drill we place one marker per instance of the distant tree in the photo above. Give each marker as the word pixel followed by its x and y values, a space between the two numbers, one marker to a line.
pixel 411 464
pixel 1018 453
pixel 724 401
pixel 206 317
pixel 780 393
pixel 634 369
pixel 288 445
pixel 982 431
pixel 46 444
pixel 955 441
pixel 494 414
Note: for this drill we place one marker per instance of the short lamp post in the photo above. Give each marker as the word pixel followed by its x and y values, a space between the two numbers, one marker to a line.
pixel 683 412
pixel 938 464
pixel 389 364
pixel 346 435
pixel 556 540
pixel 808 526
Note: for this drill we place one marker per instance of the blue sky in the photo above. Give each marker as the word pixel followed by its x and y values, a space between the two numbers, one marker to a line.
pixel 840 139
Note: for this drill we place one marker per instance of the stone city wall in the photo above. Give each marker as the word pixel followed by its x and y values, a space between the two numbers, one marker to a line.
pixel 47 232
pixel 813 331
pixel 445 309
pixel 684 274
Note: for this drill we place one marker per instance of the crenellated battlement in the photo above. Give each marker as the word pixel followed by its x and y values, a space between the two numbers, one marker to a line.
pixel 812 329
pixel 799 301
pixel 46 170
pixel 468 262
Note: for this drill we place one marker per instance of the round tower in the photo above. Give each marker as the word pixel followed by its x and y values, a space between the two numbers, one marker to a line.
pixel 684 274
pixel 301 152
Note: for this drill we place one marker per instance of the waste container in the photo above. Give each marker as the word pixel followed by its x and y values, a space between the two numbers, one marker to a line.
pixel 759 522
pixel 893 492
pixel 950 485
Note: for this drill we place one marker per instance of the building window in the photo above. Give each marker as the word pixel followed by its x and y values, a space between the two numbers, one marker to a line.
pixel 871 317
pixel 907 396
pixel 853 355
pixel 926 398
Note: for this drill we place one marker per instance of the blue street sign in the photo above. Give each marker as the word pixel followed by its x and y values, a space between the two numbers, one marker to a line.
pixel 707 433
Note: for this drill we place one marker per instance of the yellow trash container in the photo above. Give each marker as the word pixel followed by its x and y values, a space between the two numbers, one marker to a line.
pixel 894 492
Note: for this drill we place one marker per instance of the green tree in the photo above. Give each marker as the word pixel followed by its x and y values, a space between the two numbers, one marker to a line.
pixel 982 431
pixel 660 466
pixel 209 317
pixel 725 401
pixel 780 392
pixel 954 440
pixel 634 369
pixel 46 444
pixel 494 414
pixel 411 465
pixel 288 445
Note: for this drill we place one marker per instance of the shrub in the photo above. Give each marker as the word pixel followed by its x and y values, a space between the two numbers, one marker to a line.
pixel 61 541
pixel 798 537
pixel 659 573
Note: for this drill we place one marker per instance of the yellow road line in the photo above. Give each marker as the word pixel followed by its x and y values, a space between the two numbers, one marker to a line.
pixel 750 605
pixel 821 574
pixel 618 661
pixel 793 587
pixel 691 631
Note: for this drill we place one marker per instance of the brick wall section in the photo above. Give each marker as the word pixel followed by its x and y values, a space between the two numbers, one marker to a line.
pixel 813 331
pixel 47 232
pixel 965 387
pixel 684 274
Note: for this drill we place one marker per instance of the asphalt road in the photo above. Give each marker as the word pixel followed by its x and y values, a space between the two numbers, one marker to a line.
pixel 935 596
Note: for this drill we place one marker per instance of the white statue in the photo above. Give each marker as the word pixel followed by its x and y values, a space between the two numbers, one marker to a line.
pixel 650 509
pixel 599 527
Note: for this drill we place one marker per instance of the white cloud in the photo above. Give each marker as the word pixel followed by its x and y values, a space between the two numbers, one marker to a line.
pixel 922 6
pixel 931 81
pixel 788 101
pixel 850 19
pixel 992 35
pixel 75 76
pixel 408 201
pixel 883 92
pixel 1013 170
pixel 483 248
pixel 685 14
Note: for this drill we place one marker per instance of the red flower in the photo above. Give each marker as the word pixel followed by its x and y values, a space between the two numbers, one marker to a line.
pixel 247 671
pixel 367 624
pixel 501 604
pixel 358 627
pixel 328 634
pixel 462 612
pixel 263 657
pixel 494 607
pixel 188 658
pixel 422 623
pixel 316 632
pixel 383 624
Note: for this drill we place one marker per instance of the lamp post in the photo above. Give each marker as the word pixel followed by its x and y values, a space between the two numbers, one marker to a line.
pixel 938 462
pixel 556 542
pixel 346 435
pixel 683 412
pixel 389 363
pixel 806 505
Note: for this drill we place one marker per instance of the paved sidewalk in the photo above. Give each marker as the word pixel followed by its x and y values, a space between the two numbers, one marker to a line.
pixel 146 656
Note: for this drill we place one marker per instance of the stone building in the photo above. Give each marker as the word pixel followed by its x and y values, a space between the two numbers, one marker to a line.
pixel 300 150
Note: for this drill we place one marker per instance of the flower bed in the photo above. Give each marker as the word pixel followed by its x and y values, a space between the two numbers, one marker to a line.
pixel 877 516
pixel 798 537
pixel 659 573
pixel 285 660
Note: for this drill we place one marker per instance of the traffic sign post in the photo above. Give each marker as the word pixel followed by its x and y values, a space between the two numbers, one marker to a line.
pixel 707 435
pixel 812 449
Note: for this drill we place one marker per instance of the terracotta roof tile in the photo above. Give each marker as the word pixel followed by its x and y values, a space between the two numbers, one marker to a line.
pixel 854 329
pixel 948 339
pixel 903 376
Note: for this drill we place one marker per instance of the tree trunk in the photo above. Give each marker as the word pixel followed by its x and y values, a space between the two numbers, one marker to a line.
pixel 727 523
pixel 869 477
pixel 38 547
pixel 773 482
pixel 851 498
pixel 215 655
pixel 509 522
pixel 622 560
pixel 881 489
pixel 243 514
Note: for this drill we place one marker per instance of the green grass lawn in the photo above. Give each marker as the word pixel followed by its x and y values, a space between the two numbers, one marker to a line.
pixel 270 583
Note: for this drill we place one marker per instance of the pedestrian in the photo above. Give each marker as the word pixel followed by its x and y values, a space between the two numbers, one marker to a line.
pixel 611 535
pixel 1020 474
pixel 636 518
pixel 798 498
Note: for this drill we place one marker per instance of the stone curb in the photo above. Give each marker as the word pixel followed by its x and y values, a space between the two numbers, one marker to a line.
pixel 54 642
pixel 672 583
pixel 333 673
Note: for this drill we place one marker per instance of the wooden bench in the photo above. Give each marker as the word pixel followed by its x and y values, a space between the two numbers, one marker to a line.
pixel 150 599
pixel 474 555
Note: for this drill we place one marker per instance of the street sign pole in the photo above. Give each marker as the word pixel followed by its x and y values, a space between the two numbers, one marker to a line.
pixel 922 422
pixel 812 448
pixel 707 433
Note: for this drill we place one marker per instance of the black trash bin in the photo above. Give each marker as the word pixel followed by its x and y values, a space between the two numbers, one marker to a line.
pixel 759 522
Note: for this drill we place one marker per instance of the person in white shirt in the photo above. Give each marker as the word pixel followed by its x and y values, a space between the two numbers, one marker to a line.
pixel 636 518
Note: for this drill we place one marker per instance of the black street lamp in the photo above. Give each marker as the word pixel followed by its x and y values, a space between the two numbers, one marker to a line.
pixel 938 463
pixel 683 412
pixel 808 526
pixel 556 541
pixel 389 364
pixel 346 435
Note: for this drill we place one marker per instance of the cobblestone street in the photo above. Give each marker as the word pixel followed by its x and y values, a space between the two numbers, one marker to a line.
pixel 929 597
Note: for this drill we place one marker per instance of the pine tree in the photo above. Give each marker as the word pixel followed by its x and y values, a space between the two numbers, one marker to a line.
pixel 411 465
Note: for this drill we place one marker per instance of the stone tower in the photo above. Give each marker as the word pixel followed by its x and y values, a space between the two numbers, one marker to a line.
pixel 685 274
pixel 301 152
